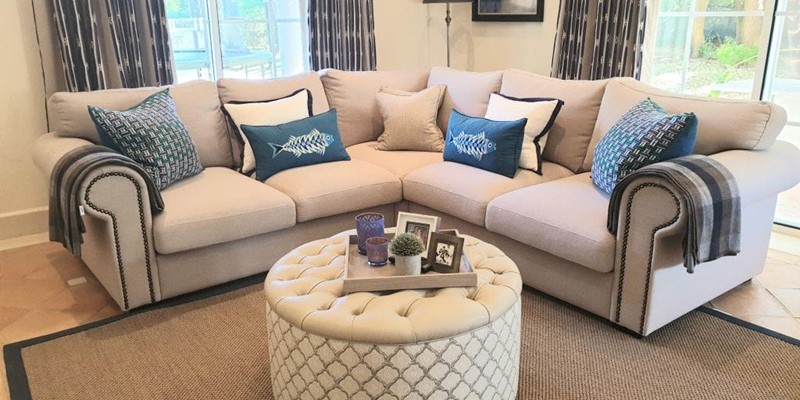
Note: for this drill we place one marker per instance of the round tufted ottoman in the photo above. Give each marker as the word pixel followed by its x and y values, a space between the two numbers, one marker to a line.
pixel 454 343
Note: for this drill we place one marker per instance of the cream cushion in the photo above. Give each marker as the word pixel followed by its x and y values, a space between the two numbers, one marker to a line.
pixel 465 192
pixel 409 119
pixel 568 140
pixel 305 288
pixel 565 217
pixel 722 124
pixel 352 94
pixel 467 92
pixel 539 115
pixel 333 188
pixel 197 103
pixel 275 112
pixel 399 163
pixel 218 205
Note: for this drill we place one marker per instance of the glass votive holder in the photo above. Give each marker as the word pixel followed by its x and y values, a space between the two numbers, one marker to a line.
pixel 377 251
pixel 368 225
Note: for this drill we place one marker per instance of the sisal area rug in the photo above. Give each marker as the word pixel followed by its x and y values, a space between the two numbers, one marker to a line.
pixel 212 345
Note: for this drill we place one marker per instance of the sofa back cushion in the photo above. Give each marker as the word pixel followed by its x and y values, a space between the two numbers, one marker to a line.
pixel 197 103
pixel 569 138
pixel 722 124
pixel 353 95
pixel 250 90
pixel 467 92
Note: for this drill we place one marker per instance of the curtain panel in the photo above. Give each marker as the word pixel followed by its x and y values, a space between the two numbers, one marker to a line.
pixel 342 34
pixel 599 39
pixel 113 43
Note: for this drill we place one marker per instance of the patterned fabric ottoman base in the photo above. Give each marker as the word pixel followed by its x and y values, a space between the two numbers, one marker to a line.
pixel 481 364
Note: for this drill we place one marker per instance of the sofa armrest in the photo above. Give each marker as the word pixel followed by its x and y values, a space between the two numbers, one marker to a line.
pixel 763 173
pixel 118 242
pixel 651 285
pixel 49 148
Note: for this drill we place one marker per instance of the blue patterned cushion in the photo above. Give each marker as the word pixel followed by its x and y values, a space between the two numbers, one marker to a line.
pixel 645 135
pixel 308 141
pixel 152 134
pixel 486 144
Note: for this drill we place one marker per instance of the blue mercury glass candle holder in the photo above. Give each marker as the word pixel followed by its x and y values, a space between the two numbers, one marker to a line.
pixel 368 225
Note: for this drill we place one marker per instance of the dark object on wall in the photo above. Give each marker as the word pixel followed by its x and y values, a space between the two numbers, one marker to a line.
pixel 508 10
pixel 599 39
pixel 137 31
pixel 447 19
pixel 342 35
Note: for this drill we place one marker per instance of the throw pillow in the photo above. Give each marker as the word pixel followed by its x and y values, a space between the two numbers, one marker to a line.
pixel 268 112
pixel 409 119
pixel 482 143
pixel 152 134
pixel 541 114
pixel 644 135
pixel 311 140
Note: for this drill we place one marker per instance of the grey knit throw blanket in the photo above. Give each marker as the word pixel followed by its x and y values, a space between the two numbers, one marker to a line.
pixel 711 195
pixel 66 224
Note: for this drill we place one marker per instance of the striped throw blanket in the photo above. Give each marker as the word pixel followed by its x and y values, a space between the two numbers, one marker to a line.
pixel 66 224
pixel 711 195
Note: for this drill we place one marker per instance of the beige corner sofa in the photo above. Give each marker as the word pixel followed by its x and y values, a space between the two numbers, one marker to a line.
pixel 220 225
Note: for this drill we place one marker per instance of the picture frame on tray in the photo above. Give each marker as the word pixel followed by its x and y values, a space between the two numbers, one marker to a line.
pixel 423 226
pixel 444 252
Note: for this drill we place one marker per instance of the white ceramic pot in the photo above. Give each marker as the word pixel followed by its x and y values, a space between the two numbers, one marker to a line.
pixel 410 265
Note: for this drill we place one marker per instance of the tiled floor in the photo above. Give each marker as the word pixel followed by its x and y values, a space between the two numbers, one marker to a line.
pixel 36 297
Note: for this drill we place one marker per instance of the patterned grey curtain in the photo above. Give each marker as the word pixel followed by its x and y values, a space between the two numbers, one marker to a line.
pixel 599 39
pixel 80 47
pixel 342 34
pixel 129 37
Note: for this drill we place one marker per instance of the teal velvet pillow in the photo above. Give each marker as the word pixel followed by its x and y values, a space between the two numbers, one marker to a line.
pixel 308 141
pixel 152 134
pixel 644 135
pixel 490 145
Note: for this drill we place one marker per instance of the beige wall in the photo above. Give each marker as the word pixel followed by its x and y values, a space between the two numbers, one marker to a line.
pixel 410 34
pixel 23 190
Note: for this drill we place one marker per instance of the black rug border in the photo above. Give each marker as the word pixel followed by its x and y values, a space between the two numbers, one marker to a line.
pixel 18 379
pixel 16 376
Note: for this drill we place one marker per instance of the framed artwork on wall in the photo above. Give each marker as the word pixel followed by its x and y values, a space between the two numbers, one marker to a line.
pixel 508 10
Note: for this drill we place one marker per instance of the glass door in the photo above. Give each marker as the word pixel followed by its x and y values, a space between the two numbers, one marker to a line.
pixel 782 86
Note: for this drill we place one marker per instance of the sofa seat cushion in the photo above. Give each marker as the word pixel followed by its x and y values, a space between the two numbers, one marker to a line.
pixel 218 205
pixel 465 192
pixel 333 188
pixel 399 163
pixel 566 218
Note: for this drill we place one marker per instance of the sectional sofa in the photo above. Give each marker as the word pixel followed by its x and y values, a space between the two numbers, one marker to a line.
pixel 221 225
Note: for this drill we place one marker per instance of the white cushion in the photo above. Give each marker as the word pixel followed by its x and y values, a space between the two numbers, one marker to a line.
pixel 541 114
pixel 270 112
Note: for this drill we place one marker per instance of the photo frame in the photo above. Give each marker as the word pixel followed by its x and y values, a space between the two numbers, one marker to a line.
pixel 508 10
pixel 419 224
pixel 444 253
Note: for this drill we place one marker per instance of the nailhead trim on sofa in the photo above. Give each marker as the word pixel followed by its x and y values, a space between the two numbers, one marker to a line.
pixel 116 232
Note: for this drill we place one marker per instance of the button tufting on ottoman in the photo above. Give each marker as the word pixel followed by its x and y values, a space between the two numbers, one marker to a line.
pixel 446 343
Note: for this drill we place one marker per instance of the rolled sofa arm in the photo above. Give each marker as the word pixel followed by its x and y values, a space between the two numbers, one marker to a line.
pixel 118 242
pixel 651 285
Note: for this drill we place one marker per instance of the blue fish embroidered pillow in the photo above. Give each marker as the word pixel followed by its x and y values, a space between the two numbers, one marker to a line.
pixel 307 141
pixel 644 135
pixel 490 145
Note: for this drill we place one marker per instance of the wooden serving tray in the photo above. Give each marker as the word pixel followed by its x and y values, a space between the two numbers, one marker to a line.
pixel 361 277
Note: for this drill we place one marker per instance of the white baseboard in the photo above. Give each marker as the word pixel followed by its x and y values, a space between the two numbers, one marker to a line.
pixel 21 223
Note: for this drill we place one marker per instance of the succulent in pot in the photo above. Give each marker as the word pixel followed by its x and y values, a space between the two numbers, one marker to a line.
pixel 407 250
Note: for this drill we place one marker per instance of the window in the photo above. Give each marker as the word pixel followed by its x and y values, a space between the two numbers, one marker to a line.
pixel 745 49
pixel 237 38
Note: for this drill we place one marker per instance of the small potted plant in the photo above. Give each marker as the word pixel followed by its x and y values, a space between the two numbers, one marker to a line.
pixel 407 250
